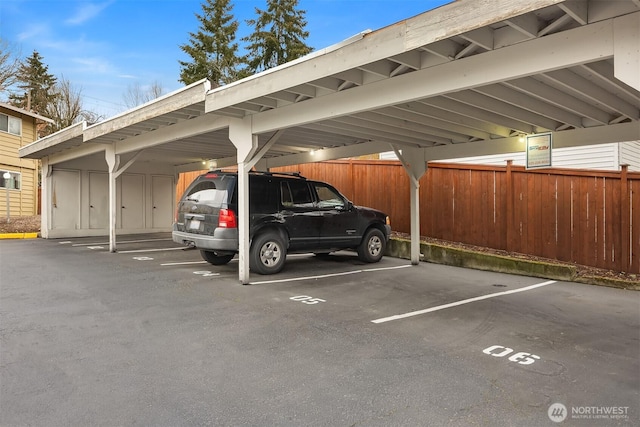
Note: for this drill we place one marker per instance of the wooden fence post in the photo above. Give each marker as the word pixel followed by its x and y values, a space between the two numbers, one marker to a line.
pixel 509 207
pixel 625 228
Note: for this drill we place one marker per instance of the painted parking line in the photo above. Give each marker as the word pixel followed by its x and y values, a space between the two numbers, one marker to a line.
pixel 184 263
pixel 119 242
pixel 462 302
pixel 182 248
pixel 322 276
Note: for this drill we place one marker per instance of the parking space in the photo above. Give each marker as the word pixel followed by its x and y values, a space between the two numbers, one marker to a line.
pixel 153 335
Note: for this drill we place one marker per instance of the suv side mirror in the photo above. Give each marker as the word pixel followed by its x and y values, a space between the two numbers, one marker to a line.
pixel 348 206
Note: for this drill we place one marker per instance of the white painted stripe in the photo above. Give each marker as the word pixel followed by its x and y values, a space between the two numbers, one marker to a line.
pixel 321 276
pixel 457 303
pixel 125 241
pixel 152 250
pixel 293 279
pixel 184 263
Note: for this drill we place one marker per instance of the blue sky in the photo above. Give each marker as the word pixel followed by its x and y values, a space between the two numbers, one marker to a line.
pixel 105 46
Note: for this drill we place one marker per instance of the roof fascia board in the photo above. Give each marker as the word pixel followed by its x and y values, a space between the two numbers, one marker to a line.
pixel 32 150
pixel 581 45
pixel 25 112
pixel 168 103
pixel 451 19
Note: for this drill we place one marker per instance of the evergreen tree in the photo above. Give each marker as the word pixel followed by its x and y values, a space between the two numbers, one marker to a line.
pixel 213 49
pixel 36 84
pixel 278 35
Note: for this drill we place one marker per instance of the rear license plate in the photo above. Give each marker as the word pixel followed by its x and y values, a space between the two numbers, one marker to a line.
pixel 194 224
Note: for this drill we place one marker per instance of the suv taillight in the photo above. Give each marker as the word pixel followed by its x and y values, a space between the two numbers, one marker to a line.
pixel 227 219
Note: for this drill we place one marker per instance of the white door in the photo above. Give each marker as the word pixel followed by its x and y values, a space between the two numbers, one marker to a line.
pixel 65 200
pixel 162 200
pixel 98 200
pixel 132 201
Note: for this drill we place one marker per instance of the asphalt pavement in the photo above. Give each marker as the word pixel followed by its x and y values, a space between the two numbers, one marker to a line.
pixel 153 336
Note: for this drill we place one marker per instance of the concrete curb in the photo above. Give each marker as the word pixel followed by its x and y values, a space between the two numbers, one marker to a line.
pixel 19 235
pixel 440 254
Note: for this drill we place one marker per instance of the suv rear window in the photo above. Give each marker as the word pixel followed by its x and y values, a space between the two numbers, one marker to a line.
pixel 210 192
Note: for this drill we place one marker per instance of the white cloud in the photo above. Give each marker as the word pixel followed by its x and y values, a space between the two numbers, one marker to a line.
pixel 86 12
pixel 33 31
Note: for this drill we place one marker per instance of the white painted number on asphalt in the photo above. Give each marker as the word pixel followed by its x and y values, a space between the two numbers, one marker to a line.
pixel 521 358
pixel 142 258
pixel 305 299
pixel 206 273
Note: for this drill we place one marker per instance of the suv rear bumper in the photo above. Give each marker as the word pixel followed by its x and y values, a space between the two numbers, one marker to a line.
pixel 222 240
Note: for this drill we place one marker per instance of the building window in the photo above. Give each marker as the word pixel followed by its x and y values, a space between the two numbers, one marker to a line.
pixel 12 183
pixel 10 124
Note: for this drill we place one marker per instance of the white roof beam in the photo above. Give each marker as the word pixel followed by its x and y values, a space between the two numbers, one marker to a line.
pixel 381 68
pixel 305 90
pixel 482 37
pixel 460 121
pixel 536 88
pixel 577 9
pixel 534 105
pixel 432 123
pixel 353 76
pixel 481 101
pixel 445 49
pixel 400 125
pixel 381 131
pixel 467 50
pixel 411 59
pixel 584 44
pixel 330 83
pixel 478 114
pixel 365 134
pixel 182 130
pixel 586 88
pixel 525 24
pixel 605 73
pixel 555 25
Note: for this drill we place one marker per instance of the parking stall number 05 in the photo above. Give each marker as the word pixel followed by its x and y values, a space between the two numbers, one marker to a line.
pixel 305 299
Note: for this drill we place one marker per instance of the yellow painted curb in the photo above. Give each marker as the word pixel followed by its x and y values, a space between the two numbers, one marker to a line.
pixel 18 235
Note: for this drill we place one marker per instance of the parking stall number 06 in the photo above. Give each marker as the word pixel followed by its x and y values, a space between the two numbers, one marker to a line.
pixel 305 299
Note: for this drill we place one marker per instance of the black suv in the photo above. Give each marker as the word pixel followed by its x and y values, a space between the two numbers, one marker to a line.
pixel 287 213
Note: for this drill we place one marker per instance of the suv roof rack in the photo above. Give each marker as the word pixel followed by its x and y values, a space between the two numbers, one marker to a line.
pixel 266 173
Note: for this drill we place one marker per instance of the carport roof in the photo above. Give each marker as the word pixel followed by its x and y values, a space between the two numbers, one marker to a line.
pixel 463 79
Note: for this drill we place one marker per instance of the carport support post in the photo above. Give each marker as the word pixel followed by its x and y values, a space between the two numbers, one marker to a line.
pixel 415 169
pixel 246 145
pixel 113 161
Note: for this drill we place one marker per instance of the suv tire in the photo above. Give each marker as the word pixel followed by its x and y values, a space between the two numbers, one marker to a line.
pixel 213 258
pixel 268 253
pixel 372 247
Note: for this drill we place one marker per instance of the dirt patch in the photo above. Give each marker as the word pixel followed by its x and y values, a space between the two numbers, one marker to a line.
pixel 20 224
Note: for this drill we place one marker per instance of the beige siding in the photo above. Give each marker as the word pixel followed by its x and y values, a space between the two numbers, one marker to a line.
pixel 630 155
pixel 24 201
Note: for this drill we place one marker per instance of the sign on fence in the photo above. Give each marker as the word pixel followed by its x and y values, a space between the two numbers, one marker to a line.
pixel 539 150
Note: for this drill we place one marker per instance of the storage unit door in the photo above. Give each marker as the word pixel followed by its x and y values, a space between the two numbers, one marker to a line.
pixel 65 200
pixel 132 201
pixel 98 200
pixel 162 200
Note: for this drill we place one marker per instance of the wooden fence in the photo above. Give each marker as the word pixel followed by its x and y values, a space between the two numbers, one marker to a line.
pixel 587 217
